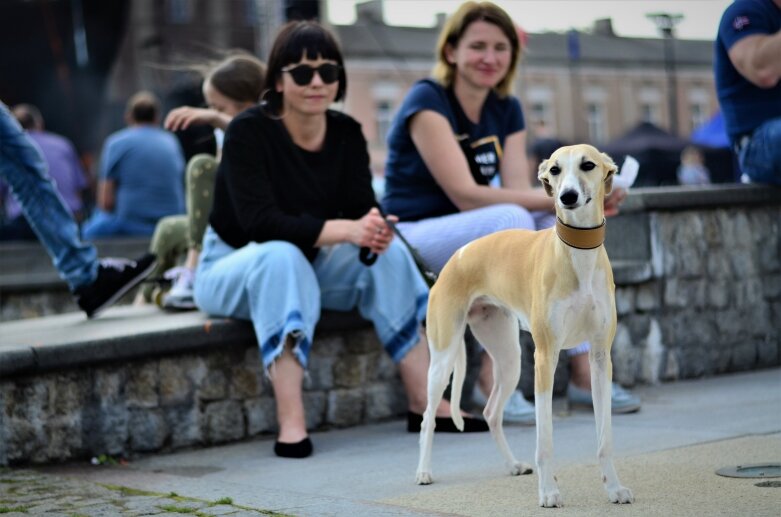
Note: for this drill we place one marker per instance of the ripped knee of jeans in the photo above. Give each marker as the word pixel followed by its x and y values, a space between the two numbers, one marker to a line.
pixel 292 344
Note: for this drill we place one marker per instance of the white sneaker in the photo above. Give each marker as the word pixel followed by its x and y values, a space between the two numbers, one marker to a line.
pixel 517 410
pixel 180 296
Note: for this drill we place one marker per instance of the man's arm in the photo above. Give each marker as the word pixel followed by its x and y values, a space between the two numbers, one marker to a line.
pixel 106 195
pixel 758 58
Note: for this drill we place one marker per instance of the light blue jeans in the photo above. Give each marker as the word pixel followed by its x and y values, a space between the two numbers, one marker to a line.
pixel 106 225
pixel 23 167
pixel 760 159
pixel 273 285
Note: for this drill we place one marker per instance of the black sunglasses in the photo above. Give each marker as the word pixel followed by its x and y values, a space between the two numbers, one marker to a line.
pixel 303 74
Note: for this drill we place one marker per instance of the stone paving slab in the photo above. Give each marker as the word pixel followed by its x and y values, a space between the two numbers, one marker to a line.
pixel 28 492
pixel 676 482
pixel 667 454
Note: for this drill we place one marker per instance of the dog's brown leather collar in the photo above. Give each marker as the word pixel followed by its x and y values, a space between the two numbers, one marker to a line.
pixel 581 238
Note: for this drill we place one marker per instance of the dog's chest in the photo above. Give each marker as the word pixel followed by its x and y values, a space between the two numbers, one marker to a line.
pixel 576 315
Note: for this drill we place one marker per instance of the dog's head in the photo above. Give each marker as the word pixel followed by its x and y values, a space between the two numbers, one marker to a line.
pixel 576 175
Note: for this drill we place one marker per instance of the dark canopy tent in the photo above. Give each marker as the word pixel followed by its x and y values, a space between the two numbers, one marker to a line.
pixel 657 151
pixel 712 138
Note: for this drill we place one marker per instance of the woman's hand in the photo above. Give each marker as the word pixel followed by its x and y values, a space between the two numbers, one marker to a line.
pixel 613 200
pixel 185 116
pixel 371 231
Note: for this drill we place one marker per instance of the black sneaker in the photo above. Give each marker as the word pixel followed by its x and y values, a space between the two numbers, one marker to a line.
pixel 115 278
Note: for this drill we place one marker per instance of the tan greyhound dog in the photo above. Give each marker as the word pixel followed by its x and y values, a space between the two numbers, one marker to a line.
pixel 559 285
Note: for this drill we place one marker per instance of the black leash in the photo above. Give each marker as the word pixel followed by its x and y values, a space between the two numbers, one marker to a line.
pixel 367 257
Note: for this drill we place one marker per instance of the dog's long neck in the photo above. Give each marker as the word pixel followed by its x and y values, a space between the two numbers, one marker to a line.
pixel 581 235
pixel 583 228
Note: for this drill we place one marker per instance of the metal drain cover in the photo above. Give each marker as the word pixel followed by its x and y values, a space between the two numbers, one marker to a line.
pixel 757 470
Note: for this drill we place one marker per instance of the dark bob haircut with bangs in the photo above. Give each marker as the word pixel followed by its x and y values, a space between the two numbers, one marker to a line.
pixel 292 41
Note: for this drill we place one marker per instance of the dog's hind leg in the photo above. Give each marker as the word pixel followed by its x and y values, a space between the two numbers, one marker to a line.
pixel 497 331
pixel 601 373
pixel 440 368
pixel 545 360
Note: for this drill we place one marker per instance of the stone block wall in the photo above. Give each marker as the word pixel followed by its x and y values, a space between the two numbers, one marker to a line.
pixel 201 398
pixel 703 297
pixel 713 304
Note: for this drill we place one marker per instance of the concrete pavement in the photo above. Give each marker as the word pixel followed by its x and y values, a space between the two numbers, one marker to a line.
pixel 667 454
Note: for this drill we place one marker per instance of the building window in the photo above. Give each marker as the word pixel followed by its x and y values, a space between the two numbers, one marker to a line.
pixel 384 117
pixel 699 100
pixel 540 117
pixel 597 130
pixel 542 120
pixel 180 12
pixel 650 101
pixel 697 115
pixel 649 112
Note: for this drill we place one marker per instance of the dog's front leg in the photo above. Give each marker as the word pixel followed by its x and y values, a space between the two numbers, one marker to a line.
pixel 600 364
pixel 545 359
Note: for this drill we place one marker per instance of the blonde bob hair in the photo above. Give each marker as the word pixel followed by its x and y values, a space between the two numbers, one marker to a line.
pixel 468 13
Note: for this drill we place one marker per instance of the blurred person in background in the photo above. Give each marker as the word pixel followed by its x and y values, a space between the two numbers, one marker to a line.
pixel 230 87
pixel 95 283
pixel 692 170
pixel 64 167
pixel 141 176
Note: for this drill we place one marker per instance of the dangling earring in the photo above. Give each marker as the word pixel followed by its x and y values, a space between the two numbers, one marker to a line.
pixel 268 107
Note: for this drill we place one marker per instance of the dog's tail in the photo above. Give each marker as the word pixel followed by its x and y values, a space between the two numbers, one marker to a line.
pixel 459 372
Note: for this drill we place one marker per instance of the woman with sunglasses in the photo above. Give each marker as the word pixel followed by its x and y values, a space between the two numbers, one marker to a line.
pixel 454 137
pixel 293 207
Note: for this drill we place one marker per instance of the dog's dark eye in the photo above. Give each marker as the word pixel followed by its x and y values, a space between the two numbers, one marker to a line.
pixel 555 170
pixel 587 166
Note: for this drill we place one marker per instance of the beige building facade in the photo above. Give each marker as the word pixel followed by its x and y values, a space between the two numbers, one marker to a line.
pixel 593 95
pixel 614 83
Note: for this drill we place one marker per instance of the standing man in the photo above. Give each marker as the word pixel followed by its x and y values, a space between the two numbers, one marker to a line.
pixel 141 175
pixel 748 69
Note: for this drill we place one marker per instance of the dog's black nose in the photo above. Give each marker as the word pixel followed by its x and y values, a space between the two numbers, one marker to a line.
pixel 569 197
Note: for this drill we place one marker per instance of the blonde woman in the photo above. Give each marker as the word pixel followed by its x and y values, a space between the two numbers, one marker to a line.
pixel 454 137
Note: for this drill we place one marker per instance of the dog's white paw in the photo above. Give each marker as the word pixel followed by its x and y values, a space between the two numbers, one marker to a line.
pixel 551 499
pixel 423 478
pixel 520 468
pixel 621 495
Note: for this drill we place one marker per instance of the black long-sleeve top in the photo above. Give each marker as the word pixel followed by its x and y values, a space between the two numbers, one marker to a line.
pixel 268 188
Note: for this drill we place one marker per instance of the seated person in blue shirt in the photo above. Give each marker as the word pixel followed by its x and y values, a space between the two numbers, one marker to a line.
pixel 747 69
pixel 141 175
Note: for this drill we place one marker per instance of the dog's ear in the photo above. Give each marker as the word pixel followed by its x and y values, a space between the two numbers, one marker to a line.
pixel 610 169
pixel 544 177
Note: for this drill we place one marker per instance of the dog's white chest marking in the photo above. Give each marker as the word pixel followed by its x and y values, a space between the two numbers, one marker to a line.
pixel 574 317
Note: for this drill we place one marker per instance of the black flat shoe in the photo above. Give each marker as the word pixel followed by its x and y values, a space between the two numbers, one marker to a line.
pixel 446 425
pixel 300 449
